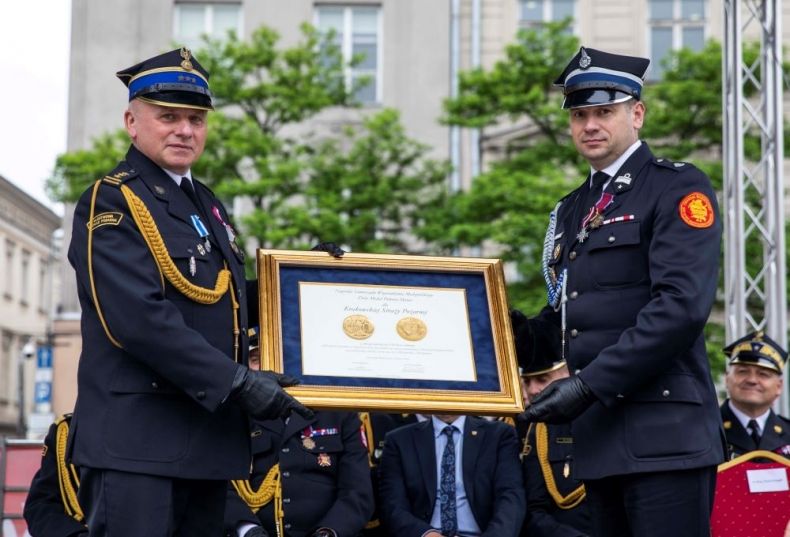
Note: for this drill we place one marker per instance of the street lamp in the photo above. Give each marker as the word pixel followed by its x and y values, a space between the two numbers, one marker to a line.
pixel 27 352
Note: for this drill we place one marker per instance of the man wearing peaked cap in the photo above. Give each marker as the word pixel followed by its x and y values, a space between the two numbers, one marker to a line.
pixel 160 423
pixel 631 265
pixel 555 499
pixel 754 380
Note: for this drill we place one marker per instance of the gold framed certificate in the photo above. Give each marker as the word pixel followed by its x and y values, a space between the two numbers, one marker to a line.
pixel 392 333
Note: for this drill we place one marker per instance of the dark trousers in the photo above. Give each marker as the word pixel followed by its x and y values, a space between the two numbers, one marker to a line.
pixel 121 504
pixel 660 504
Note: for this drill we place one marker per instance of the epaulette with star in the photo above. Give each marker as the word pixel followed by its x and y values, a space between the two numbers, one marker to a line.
pixel 120 175
pixel 677 166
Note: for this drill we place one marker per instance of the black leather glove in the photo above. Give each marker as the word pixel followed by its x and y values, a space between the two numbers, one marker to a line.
pixel 261 394
pixel 562 401
pixel 329 247
pixel 257 531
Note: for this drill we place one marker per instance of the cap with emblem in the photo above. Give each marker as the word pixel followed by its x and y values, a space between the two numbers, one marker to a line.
pixel 757 349
pixel 254 340
pixel 537 345
pixel 593 78
pixel 174 78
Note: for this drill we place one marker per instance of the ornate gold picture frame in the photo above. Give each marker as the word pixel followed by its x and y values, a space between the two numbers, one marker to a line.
pixel 391 333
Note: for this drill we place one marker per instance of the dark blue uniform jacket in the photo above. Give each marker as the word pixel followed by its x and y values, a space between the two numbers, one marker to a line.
pixel 158 405
pixel 639 292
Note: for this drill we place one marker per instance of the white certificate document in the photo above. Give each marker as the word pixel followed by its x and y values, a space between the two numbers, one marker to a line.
pixel 383 331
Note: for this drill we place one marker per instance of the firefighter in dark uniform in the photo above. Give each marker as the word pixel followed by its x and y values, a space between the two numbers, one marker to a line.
pixel 51 506
pixel 555 499
pixel 631 266
pixel 160 423
pixel 377 425
pixel 310 477
pixel 754 381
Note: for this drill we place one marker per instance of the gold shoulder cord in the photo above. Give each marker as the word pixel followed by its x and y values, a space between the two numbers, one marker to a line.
pixel 67 474
pixel 364 417
pixel 542 444
pixel 167 268
pixel 256 499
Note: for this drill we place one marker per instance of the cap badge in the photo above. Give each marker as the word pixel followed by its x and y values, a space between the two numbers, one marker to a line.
pixel 187 55
pixel 585 60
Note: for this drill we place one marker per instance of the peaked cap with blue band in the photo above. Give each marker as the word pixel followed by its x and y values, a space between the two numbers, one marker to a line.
pixel 174 79
pixel 757 349
pixel 593 78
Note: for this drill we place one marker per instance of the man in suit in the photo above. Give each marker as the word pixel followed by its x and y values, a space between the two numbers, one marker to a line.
pixel 160 422
pixel 631 265
pixel 452 475
pixel 51 506
pixel 754 381
pixel 556 505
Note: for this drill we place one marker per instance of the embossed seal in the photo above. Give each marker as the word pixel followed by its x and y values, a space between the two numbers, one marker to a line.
pixel 411 329
pixel 358 327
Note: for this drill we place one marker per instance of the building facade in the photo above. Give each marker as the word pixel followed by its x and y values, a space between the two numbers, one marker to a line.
pixel 28 286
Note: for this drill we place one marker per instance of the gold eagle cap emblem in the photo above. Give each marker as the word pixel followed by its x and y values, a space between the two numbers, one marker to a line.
pixel 187 55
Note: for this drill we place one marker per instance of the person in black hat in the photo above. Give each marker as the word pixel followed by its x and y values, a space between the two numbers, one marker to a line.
pixel 754 381
pixel 160 422
pixel 631 265
pixel 555 499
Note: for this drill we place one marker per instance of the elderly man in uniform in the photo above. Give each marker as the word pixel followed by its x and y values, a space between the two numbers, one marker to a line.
pixel 754 381
pixel 556 504
pixel 631 264
pixel 160 422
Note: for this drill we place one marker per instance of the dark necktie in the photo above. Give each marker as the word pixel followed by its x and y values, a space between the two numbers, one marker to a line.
pixel 598 179
pixel 754 432
pixel 189 190
pixel 447 486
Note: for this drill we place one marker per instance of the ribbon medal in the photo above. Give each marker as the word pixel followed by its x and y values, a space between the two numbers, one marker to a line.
pixel 201 229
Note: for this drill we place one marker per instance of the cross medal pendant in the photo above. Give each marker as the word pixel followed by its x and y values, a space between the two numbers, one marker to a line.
pixel 583 234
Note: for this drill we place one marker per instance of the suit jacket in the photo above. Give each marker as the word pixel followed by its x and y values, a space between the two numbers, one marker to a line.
pixel 548 479
pixel 158 404
pixel 776 434
pixel 325 483
pixel 491 473
pixel 640 290
pixel 47 512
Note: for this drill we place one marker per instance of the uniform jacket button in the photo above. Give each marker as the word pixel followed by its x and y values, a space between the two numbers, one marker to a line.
pixel 286 500
pixel 287 526
pixel 286 450
pixel 155 385
pixel 574 295
pixel 665 393
pixel 574 333
pixel 572 255
pixel 201 395
pixel 611 238
pixel 286 474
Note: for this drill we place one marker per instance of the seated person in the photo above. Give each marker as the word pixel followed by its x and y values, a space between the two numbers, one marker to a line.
pixel 452 475
pixel 754 381
pixel 377 425
pixel 555 499
pixel 310 477
pixel 51 507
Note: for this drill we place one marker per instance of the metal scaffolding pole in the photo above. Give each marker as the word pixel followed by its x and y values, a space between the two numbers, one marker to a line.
pixel 755 293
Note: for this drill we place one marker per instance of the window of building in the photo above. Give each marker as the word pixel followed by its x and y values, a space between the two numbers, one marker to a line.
pixel 674 24
pixel 24 277
pixel 6 367
pixel 191 21
pixel 536 12
pixel 10 250
pixel 357 32
pixel 43 268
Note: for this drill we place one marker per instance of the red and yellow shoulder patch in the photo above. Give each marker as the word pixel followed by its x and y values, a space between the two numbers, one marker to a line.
pixel 696 210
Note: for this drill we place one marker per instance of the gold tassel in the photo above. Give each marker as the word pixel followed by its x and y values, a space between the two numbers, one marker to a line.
pixel 563 502
pixel 67 474
pixel 258 498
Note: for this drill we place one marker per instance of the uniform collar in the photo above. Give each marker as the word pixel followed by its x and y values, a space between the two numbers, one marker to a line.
pixel 176 177
pixel 613 168
pixel 744 418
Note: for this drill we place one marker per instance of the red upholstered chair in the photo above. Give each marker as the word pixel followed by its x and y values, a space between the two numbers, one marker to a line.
pixel 737 512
